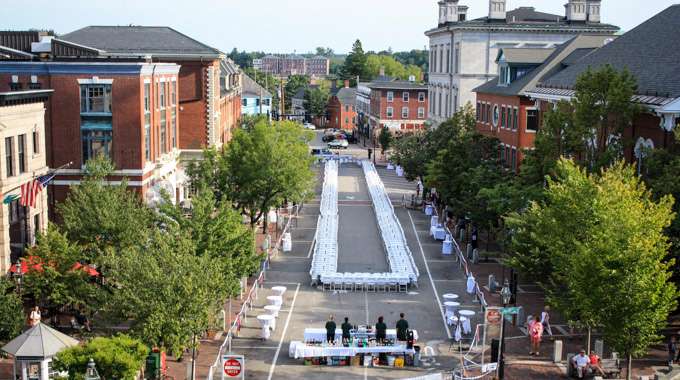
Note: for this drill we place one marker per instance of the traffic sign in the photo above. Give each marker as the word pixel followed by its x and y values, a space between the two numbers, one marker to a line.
pixel 508 317
pixel 493 316
pixel 233 367
pixel 510 310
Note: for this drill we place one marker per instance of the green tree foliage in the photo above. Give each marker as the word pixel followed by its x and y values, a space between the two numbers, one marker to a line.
pixel 244 59
pixel 12 315
pixel 217 231
pixel 392 67
pixel 97 212
pixel 169 293
pixel 596 246
pixel 316 99
pixel 292 86
pixel 118 357
pixel 355 64
pixel 324 51
pixel 52 275
pixel 259 169
pixel 411 154
pixel 589 127
pixel 385 138
pixel 415 57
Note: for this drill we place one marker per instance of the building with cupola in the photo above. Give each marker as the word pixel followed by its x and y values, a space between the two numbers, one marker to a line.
pixel 464 52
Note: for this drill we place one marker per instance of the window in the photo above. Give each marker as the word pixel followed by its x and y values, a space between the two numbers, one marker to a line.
pixel 503 77
pixel 97 142
pixel 503 117
pixel 257 102
pixel 483 117
pixel 507 155
pixel 346 120
pixel 162 95
pixel 15 86
pixel 346 108
pixel 147 142
pixel 21 147
pixel 405 96
pixel 488 113
pixel 456 59
pixel 35 86
pixel 389 113
pixel 245 102
pixel 95 98
pixel 36 142
pixel 509 118
pixel 354 109
pixel 532 120
pixel 163 130
pixel 502 152
pixel 147 106
pixel 514 159
pixel 174 92
pixel 354 121
pixel 514 124
pixel 390 96
pixel 9 155
pixel 421 112
pixel 448 58
pixel 478 106
pixel 404 112
pixel 421 97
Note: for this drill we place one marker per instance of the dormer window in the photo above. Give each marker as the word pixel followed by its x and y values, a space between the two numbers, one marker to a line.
pixel 509 74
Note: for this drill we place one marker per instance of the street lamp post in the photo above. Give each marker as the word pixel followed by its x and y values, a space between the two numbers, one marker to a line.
pixel 505 298
pixel 91 373
pixel 19 274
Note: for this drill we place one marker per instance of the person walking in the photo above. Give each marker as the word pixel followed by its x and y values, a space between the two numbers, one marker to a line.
pixel 402 327
pixel 671 350
pixel 35 316
pixel 380 330
pixel 370 153
pixel 330 330
pixel 545 321
pixel 535 332
pixel 345 330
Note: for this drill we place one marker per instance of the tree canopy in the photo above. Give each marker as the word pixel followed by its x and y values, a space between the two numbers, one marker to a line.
pixel 292 86
pixel 316 99
pixel 355 64
pixel 12 315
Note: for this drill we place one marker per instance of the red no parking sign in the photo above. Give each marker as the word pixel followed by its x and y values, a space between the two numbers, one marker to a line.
pixel 232 366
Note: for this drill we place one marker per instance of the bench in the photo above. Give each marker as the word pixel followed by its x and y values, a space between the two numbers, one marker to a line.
pixel 75 325
pixel 610 367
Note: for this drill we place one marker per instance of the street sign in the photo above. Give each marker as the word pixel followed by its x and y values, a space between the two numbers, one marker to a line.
pixel 508 317
pixel 510 310
pixel 232 366
pixel 493 316
pixel 489 367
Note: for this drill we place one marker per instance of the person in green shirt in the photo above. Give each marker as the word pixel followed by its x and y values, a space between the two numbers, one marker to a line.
pixel 402 327
pixel 380 330
pixel 345 330
pixel 330 330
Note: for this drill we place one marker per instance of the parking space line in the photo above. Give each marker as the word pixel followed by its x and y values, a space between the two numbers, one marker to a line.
pixel 427 268
pixel 283 334
pixel 312 247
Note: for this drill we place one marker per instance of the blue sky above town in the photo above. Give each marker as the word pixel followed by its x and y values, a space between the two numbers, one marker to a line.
pixel 287 26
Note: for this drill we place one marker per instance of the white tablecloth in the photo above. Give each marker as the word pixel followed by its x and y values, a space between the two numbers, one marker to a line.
pixel 434 220
pixel 450 310
pixel 275 300
pixel 266 321
pixel 390 166
pixel 437 232
pixel 471 285
pixel 287 242
pixel 279 290
pixel 272 310
pixel 429 210
pixel 450 297
pixel 468 314
pixel 447 247
pixel 400 171
pixel 271 216
pixel 320 334
pixel 303 351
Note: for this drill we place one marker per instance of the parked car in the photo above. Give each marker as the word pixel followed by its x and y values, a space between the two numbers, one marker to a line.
pixel 351 139
pixel 309 126
pixel 337 144
pixel 320 151
pixel 328 138
pixel 330 131
pixel 340 136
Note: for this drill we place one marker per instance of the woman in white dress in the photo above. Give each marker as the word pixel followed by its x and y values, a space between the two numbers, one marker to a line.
pixel 35 316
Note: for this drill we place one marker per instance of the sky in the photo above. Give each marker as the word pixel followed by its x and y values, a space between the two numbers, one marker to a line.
pixel 286 26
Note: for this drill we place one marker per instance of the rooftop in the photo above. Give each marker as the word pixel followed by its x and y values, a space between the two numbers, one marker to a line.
pixel 251 89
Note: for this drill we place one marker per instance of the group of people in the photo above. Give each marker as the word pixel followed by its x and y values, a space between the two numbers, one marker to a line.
pixel 380 329
pixel 36 317
pixel 536 328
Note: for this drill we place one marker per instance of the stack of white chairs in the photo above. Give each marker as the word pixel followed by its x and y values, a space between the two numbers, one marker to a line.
pixel 325 261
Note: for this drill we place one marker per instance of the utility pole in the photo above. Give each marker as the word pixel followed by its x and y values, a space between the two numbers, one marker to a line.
pixel 260 100
pixel 283 99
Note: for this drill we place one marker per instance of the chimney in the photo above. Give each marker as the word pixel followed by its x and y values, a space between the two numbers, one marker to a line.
pixel 382 71
pixel 594 7
pixel 346 83
pixel 334 83
pixel 451 10
pixel 442 12
pixel 576 10
pixel 497 10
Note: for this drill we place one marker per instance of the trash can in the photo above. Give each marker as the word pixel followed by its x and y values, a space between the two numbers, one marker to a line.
pixel 416 355
pixel 153 361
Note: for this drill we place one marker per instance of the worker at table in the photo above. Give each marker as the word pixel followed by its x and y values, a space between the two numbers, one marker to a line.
pixel 380 330
pixel 402 327
pixel 345 330
pixel 330 330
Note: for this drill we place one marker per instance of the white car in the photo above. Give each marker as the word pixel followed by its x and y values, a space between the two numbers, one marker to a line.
pixel 337 144
pixel 309 126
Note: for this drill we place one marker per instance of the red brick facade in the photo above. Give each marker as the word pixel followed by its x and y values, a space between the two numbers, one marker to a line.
pixel 390 107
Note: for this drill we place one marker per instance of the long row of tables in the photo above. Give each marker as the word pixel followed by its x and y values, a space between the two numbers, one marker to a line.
pixel 298 349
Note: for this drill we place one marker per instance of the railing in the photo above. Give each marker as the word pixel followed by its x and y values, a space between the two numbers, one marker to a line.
pixel 479 295
pixel 235 327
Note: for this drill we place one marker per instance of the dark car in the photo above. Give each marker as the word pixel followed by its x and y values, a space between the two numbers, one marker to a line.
pixel 351 139
pixel 328 138
pixel 316 152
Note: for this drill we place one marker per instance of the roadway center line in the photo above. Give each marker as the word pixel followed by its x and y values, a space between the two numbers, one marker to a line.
pixel 427 268
pixel 283 334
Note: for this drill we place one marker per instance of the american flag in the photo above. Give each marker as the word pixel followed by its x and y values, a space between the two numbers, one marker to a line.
pixel 30 190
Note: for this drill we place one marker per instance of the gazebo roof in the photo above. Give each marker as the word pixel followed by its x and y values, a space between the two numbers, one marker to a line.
pixel 39 342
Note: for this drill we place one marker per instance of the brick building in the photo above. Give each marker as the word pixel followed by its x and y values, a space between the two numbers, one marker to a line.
pixel 271 64
pixel 653 62
pixel 293 65
pixel 287 65
pixel 463 52
pixel 503 108
pixel 398 105
pixel 22 117
pixel 318 66
pixel 342 108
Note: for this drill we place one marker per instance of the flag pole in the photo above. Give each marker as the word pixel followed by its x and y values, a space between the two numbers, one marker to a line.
pixel 48 173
